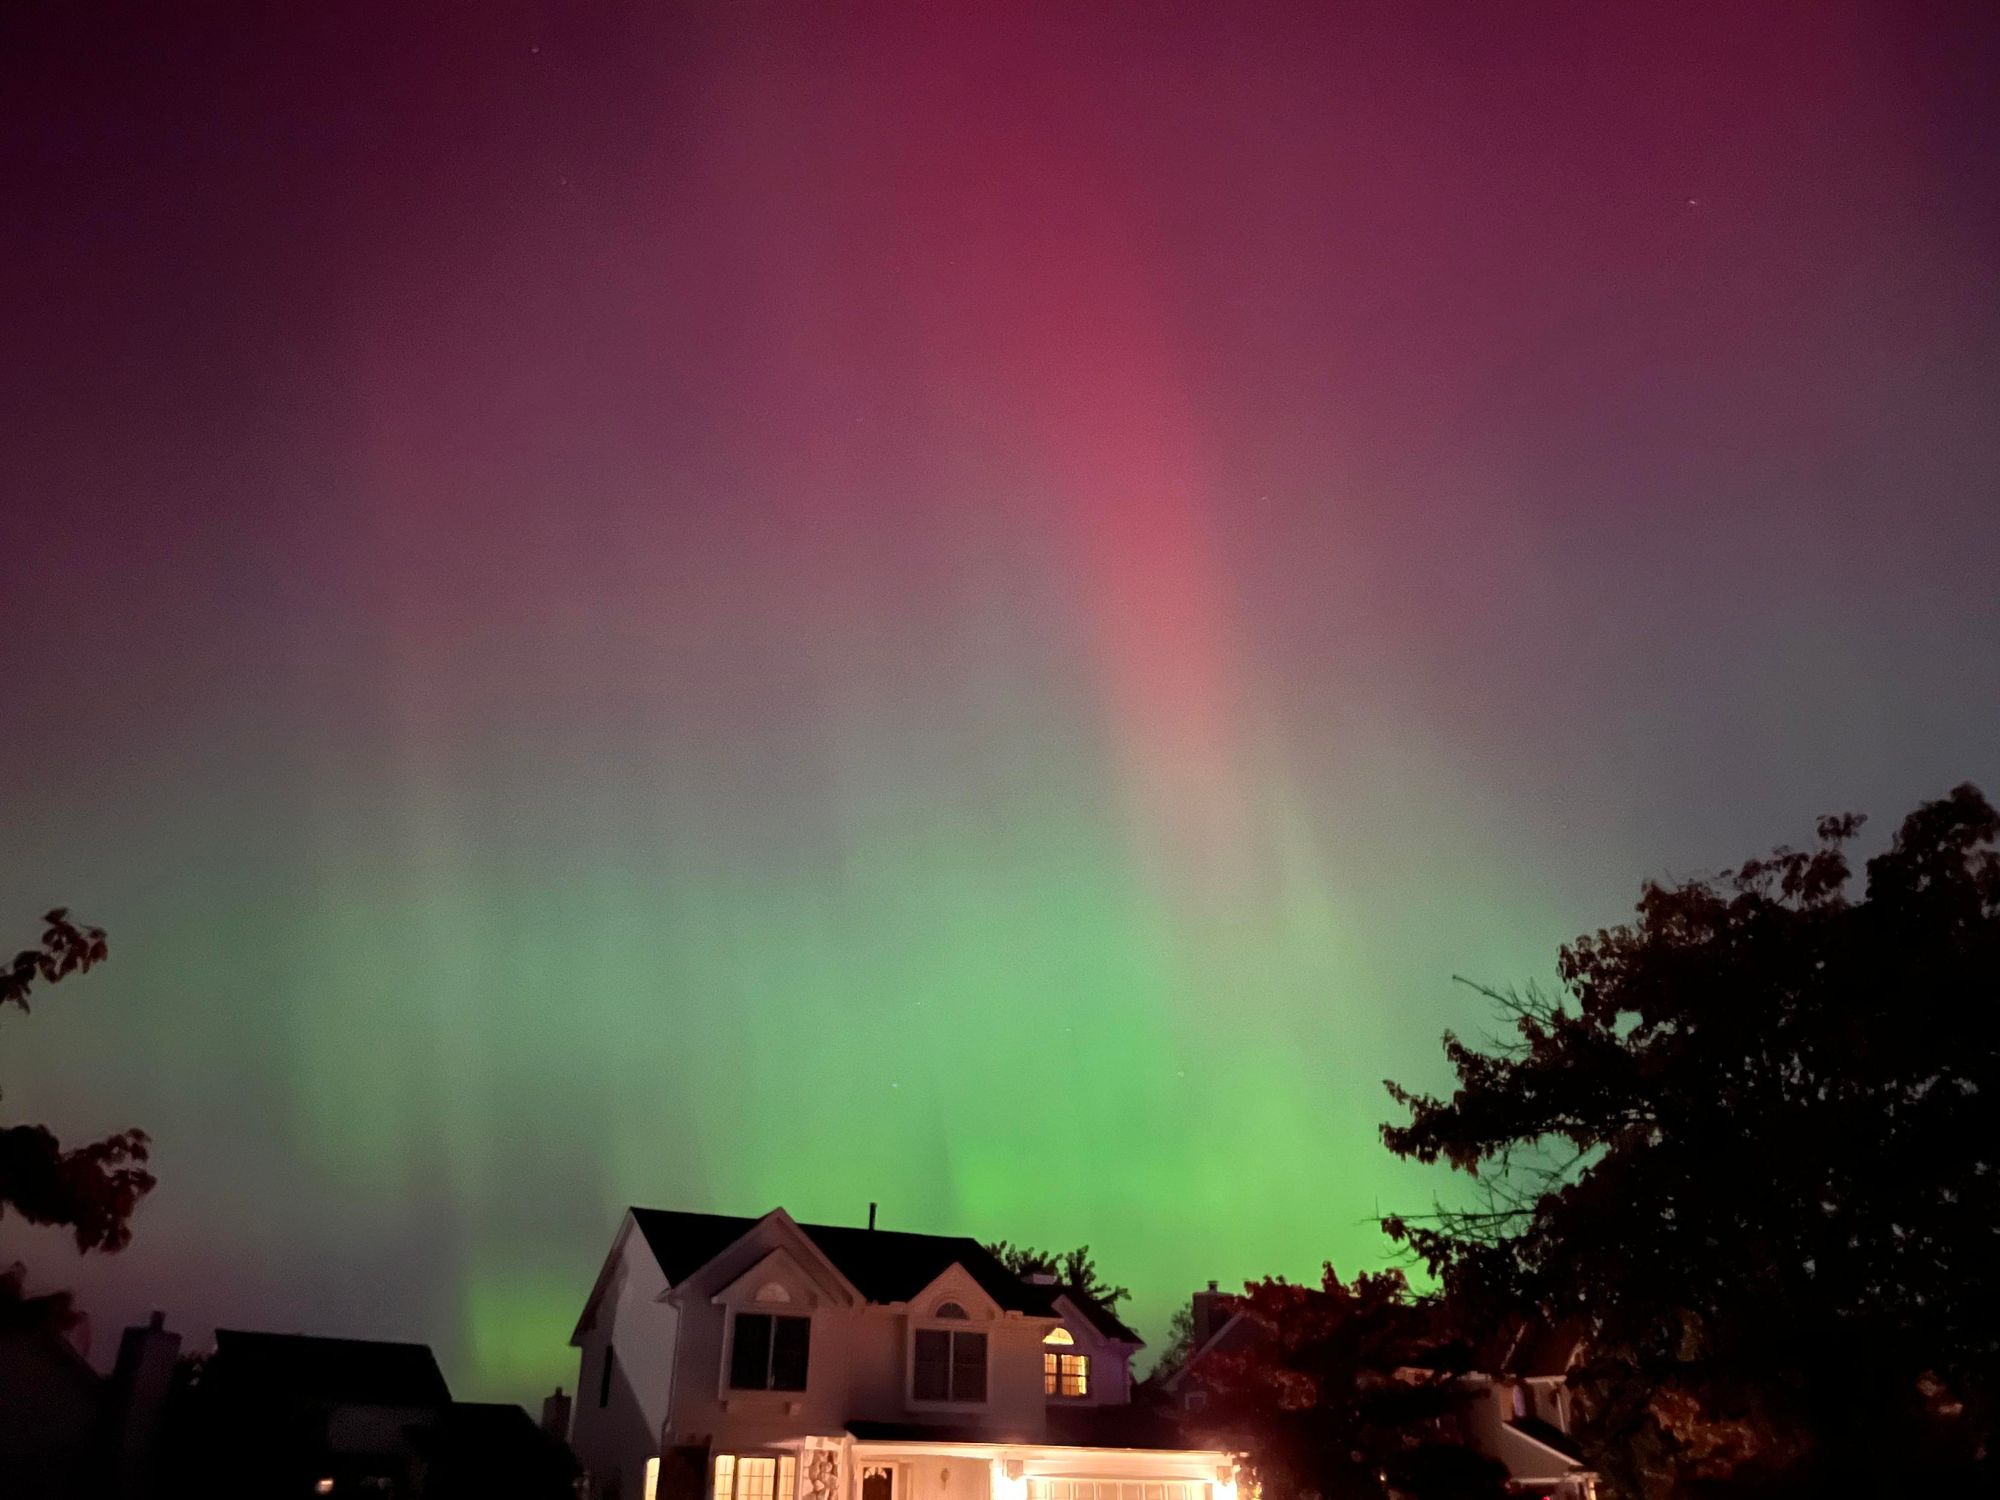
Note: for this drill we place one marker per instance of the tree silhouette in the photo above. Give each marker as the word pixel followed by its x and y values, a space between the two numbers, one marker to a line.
pixel 1073 1270
pixel 1754 1145
pixel 1352 1393
pixel 90 1190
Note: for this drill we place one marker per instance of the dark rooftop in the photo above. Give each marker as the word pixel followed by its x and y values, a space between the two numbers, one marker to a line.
pixel 350 1372
pixel 885 1265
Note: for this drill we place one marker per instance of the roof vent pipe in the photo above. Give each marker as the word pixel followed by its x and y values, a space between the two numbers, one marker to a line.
pixel 871 1215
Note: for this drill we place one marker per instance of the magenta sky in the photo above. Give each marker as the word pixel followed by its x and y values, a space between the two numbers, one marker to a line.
pixel 975 606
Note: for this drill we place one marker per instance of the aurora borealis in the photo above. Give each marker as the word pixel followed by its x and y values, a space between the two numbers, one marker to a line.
pixel 968 606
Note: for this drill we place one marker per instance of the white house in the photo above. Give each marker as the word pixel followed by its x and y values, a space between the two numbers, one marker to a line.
pixel 762 1359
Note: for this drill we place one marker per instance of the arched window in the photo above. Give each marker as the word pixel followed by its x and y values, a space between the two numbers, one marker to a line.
pixel 1059 1336
pixel 951 1310
pixel 772 1291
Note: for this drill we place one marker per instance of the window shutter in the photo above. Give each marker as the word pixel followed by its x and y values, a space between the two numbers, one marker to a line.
pixel 968 1367
pixel 750 1354
pixel 931 1379
pixel 791 1350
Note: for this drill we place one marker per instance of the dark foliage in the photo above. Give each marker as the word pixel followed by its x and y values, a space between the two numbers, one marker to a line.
pixel 1353 1394
pixel 90 1190
pixel 1754 1144
pixel 1070 1268
pixel 1179 1345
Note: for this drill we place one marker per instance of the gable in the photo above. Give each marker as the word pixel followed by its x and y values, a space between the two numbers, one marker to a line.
pixel 610 1278
pixel 954 1286
pixel 1088 1316
pixel 736 1261
pixel 777 1283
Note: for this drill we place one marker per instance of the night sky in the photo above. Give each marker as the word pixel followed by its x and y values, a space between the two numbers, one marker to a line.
pixel 975 607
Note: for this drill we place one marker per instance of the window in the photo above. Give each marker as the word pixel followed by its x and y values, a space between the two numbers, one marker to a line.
pixel 1065 1374
pixel 1059 1336
pixel 745 1476
pixel 604 1379
pixel 951 1310
pixel 768 1353
pixel 948 1365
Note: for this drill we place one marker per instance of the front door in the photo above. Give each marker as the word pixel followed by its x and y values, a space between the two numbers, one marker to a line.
pixel 878 1482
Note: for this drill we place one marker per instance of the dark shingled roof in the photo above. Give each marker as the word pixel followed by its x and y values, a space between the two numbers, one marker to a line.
pixel 1113 1427
pixel 349 1372
pixel 885 1265
pixel 1107 1322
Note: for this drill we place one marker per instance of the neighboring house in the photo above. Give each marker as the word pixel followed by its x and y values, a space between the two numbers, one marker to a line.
pixel 1522 1412
pixel 276 1415
pixel 51 1408
pixel 728 1358
pixel 1218 1327
pixel 288 1414
pixel 67 1431
pixel 1518 1410
pixel 481 1451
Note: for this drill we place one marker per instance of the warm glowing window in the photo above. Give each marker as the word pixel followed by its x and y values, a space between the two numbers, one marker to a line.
pixel 1065 1374
pixel 1059 1336
pixel 756 1478
pixel 1084 1489
pixel 652 1490
pixel 947 1365
pixel 743 1476
pixel 768 1353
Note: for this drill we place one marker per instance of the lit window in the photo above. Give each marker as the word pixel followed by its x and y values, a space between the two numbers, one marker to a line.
pixel 1059 1336
pixel 769 1353
pixel 1065 1374
pixel 756 1478
pixel 744 1476
pixel 324 1487
pixel 652 1478
pixel 947 1365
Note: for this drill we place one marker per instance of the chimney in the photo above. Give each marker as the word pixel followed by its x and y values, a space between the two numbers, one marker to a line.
pixel 140 1383
pixel 1211 1310
pixel 871 1215
pixel 555 1415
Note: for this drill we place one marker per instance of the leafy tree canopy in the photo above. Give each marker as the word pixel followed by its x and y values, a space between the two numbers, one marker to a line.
pixel 1754 1144
pixel 1353 1393
pixel 91 1190
pixel 1071 1268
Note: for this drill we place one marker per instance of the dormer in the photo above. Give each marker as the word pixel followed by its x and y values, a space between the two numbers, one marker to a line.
pixel 1087 1356
pixel 948 1345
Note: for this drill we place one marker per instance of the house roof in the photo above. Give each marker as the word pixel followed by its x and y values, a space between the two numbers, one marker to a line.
pixel 1529 1347
pixel 1239 1334
pixel 1548 1435
pixel 353 1372
pixel 1101 1317
pixel 884 1265
pixel 1113 1427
